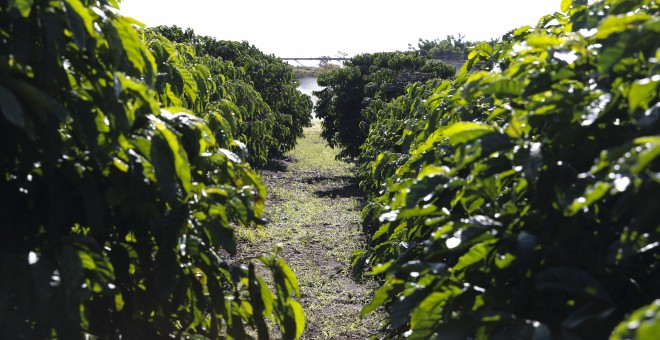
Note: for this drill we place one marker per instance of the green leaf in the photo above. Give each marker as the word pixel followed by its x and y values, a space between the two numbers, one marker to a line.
pixel 35 98
pixel 71 269
pixel 566 5
pixel 515 129
pixel 642 92
pixel 383 295
pixel 262 302
pixel 590 196
pixel 617 24
pixel 572 280
pixel 588 312
pixel 86 260
pixel 642 324
pixel 610 55
pixel 181 163
pixel 189 84
pixel 134 50
pixel 503 88
pixel 543 41
pixel 476 254
pixel 463 132
pixel 24 7
pixel 163 165
pixel 648 154
pixel 299 317
pixel 219 232
pixel 11 108
pixel 80 21
pixel 291 279
pixel 429 309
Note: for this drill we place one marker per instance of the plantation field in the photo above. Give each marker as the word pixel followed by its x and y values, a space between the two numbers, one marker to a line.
pixel 155 183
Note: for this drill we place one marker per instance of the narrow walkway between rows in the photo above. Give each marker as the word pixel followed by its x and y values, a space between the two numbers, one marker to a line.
pixel 313 212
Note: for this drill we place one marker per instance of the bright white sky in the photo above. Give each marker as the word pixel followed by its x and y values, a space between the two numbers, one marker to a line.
pixel 310 28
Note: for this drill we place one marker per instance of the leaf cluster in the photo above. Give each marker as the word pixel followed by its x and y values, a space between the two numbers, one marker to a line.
pixel 366 81
pixel 449 48
pixel 121 181
pixel 520 200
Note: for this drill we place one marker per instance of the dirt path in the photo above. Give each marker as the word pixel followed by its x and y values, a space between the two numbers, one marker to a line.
pixel 313 212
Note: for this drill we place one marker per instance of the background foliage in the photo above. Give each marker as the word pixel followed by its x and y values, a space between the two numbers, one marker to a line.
pixel 520 200
pixel 119 186
pixel 449 48
pixel 368 80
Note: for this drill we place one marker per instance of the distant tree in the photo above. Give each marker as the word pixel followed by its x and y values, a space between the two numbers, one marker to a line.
pixel 449 48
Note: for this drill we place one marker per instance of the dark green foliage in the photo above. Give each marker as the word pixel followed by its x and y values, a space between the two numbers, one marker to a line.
pixel 520 201
pixel 288 109
pixel 365 80
pixel 119 190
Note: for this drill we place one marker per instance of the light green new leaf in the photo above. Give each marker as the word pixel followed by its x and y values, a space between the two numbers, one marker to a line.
pixel 299 317
pixel 543 41
pixel 23 6
pixel 462 132
pixel 642 92
pixel 566 5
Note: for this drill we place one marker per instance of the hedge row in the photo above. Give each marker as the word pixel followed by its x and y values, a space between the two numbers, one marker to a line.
pixel 122 178
pixel 521 199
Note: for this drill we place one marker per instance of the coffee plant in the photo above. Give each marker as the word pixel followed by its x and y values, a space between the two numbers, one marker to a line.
pixel 288 110
pixel 122 180
pixel 521 199
pixel 349 91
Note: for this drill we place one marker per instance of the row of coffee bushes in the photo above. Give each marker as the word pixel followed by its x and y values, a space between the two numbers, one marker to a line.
pixel 278 124
pixel 122 179
pixel 520 200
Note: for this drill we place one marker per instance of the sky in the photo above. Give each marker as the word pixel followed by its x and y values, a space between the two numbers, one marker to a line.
pixel 311 28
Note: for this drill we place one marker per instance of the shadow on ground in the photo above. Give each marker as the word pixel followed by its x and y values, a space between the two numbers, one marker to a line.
pixel 279 164
pixel 333 186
